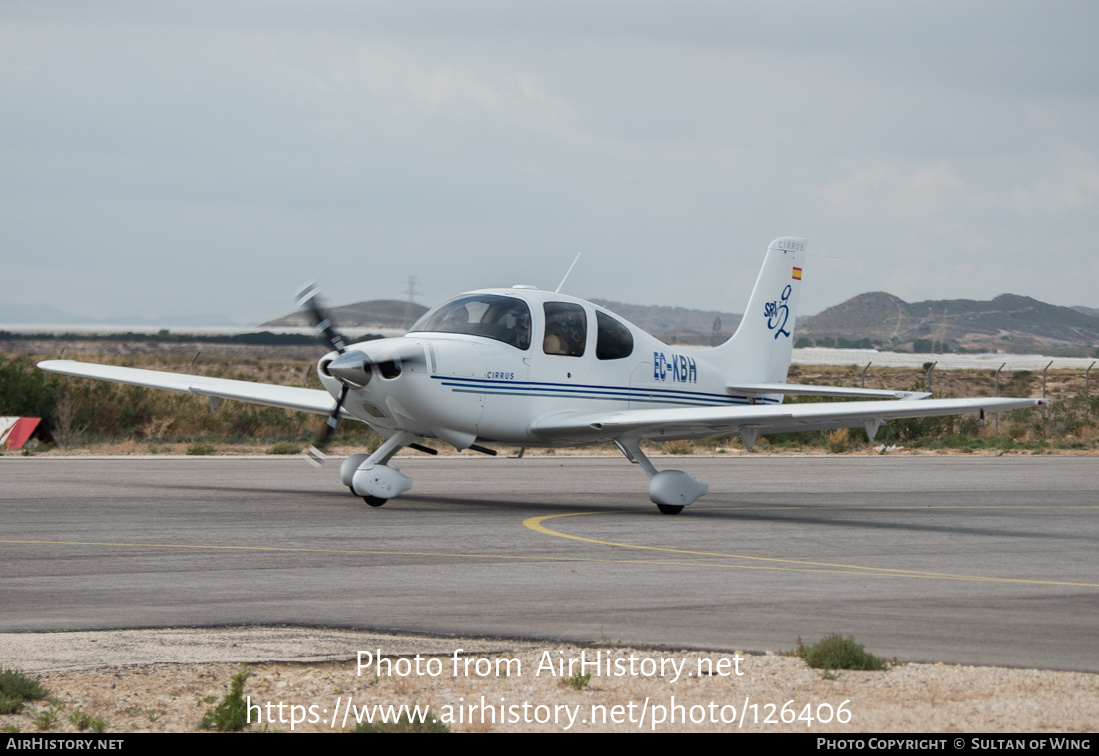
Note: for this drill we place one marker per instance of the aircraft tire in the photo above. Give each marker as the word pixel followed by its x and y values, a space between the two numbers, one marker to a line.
pixel 374 501
pixel 669 509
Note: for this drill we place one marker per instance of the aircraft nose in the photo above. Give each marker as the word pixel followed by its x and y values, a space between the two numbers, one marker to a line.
pixel 352 369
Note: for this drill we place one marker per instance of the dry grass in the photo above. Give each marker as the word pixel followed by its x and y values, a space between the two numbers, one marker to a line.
pixel 104 417
pixel 911 698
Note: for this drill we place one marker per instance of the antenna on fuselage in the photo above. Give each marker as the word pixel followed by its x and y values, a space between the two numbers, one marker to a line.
pixel 566 278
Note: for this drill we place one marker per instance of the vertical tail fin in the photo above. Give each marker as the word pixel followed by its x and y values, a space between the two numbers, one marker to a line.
pixel 761 348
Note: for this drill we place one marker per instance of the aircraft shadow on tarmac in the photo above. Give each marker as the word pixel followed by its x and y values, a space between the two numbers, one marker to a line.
pixel 713 510
pixel 810 518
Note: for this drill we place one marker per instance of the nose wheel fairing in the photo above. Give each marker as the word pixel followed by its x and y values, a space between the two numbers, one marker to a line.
pixel 371 477
pixel 379 482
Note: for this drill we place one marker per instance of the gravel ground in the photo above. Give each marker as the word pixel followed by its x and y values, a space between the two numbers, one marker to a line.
pixel 166 680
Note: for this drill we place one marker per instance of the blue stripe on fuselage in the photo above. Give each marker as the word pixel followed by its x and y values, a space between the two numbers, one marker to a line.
pixel 588 391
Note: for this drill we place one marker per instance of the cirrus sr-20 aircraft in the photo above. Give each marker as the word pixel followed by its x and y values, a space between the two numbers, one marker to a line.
pixel 526 367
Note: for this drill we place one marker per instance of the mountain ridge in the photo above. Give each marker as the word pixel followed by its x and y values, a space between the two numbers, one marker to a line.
pixel 1006 323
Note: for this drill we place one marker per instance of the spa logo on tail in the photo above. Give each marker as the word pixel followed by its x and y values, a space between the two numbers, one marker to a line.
pixel 778 313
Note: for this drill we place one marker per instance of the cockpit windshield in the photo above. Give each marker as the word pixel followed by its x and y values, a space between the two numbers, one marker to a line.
pixel 505 319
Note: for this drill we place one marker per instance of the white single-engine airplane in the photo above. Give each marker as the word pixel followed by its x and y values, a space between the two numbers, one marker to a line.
pixel 526 367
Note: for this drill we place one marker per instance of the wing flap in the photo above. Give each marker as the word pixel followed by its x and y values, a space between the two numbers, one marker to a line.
pixel 760 389
pixel 704 421
pixel 287 397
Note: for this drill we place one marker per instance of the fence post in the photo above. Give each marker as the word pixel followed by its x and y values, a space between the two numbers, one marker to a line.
pixel 997 394
pixel 1044 395
pixel 864 373
pixel 933 364
pixel 1087 395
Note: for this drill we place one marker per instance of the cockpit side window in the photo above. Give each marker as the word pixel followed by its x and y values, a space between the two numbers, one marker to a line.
pixel 505 319
pixel 614 339
pixel 566 329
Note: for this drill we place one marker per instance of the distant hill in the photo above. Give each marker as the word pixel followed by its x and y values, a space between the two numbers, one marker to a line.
pixel 658 319
pixel 674 324
pixel 1009 323
pixel 377 313
pixel 1086 310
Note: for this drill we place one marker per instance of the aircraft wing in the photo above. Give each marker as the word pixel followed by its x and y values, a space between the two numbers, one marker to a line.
pixel 754 419
pixel 287 397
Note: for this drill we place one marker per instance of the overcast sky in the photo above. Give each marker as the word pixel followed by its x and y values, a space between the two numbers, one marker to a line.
pixel 166 159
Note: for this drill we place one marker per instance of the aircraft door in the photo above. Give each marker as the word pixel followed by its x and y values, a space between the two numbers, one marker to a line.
pixel 561 353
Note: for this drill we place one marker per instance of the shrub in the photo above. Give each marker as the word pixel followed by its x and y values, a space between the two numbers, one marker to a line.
pixel 404 723
pixel 838 652
pixel 680 448
pixel 202 448
pixel 82 720
pixel 26 391
pixel 285 447
pixel 231 714
pixel 16 689
pixel 579 681
pixel 839 440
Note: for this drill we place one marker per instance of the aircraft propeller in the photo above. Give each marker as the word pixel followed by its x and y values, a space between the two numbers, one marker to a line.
pixel 352 368
pixel 309 300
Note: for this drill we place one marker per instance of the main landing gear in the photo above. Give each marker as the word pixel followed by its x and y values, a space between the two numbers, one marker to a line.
pixel 670 490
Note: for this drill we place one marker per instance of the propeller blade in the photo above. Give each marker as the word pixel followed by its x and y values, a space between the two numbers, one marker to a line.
pixel 315 453
pixel 309 300
pixel 315 456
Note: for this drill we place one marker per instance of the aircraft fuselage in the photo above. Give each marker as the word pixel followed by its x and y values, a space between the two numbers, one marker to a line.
pixel 467 387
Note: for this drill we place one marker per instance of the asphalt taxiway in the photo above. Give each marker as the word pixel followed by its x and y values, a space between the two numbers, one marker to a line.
pixel 976 560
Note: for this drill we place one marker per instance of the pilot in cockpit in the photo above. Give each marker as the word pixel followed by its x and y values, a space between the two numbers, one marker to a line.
pixel 517 323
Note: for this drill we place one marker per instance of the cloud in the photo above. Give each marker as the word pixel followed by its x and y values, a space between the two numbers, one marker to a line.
pixel 1071 184
pixel 908 192
pixel 485 142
